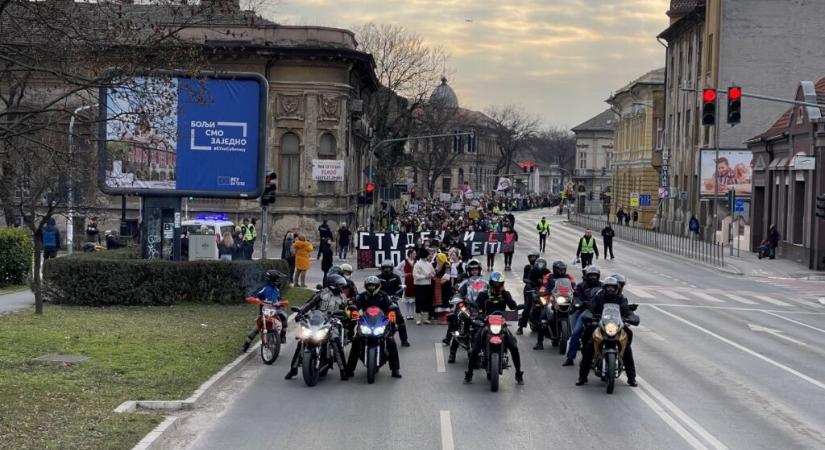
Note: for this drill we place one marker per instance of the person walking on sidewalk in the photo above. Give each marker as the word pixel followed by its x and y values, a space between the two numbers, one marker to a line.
pixel 50 238
pixel 344 235
pixel 587 249
pixel 607 234
pixel 325 255
pixel 303 260
pixel 288 252
pixel 693 226
pixel 543 228
pixel 773 241
pixel 620 216
pixel 635 218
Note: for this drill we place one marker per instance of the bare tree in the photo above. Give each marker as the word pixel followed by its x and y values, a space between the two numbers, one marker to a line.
pixel 432 158
pixel 55 57
pixel 555 146
pixel 514 130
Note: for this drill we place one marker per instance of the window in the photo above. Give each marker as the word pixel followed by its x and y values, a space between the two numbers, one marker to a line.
pixel 461 176
pixel 327 150
pixel 290 163
pixel 582 160
pixel 446 183
pixel 709 61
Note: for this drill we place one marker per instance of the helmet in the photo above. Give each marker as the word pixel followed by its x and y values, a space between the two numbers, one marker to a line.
pixel 496 281
pixel 274 277
pixel 592 274
pixel 474 264
pixel 559 269
pixel 335 270
pixel 540 264
pixel 621 280
pixel 346 269
pixel 336 284
pixel 372 285
pixel 387 266
pixel 610 286
pixel 533 257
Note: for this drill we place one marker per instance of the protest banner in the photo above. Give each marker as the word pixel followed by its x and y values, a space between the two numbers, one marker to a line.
pixel 378 247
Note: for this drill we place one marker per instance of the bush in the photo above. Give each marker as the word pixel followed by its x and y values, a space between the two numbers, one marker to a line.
pixel 16 250
pixel 88 281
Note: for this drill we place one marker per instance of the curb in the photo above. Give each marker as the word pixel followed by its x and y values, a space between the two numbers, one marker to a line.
pixel 156 437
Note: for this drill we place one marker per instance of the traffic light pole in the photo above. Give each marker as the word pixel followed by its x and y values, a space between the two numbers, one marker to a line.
pixel 264 230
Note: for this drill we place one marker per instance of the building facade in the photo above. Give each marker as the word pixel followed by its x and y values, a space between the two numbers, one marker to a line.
pixel 594 152
pixel 714 44
pixel 638 132
pixel 788 177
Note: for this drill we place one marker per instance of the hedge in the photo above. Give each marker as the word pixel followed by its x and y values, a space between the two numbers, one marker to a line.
pixel 16 250
pixel 101 281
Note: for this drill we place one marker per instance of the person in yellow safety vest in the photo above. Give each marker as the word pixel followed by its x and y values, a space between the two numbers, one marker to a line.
pixel 543 228
pixel 587 248
pixel 496 210
pixel 249 237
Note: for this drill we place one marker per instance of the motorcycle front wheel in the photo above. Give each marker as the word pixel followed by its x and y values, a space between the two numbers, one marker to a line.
pixel 610 371
pixel 310 367
pixel 564 335
pixel 495 370
pixel 270 347
pixel 372 364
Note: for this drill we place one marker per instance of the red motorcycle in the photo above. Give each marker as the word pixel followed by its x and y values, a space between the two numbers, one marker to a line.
pixel 270 325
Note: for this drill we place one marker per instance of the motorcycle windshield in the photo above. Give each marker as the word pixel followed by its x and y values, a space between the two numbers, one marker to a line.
pixel 612 313
pixel 563 287
pixel 475 287
pixel 373 320
pixel 316 319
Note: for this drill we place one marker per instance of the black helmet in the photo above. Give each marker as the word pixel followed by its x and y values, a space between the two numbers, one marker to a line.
pixel 274 277
pixel 610 286
pixel 621 280
pixel 540 264
pixel 372 285
pixel 335 270
pixel 336 284
pixel 496 281
pixel 533 256
pixel 473 264
pixel 559 269
pixel 387 266
pixel 592 274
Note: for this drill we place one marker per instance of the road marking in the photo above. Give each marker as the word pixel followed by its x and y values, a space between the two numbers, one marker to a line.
pixel 439 358
pixel 698 429
pixel 739 299
pixel 770 300
pixel 672 294
pixel 777 333
pixel 446 431
pixel 638 292
pixel 822 300
pixel 737 308
pixel 708 297
pixel 677 427
pixel 796 322
pixel 794 372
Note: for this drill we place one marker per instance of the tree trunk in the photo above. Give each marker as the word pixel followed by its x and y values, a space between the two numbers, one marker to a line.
pixel 37 279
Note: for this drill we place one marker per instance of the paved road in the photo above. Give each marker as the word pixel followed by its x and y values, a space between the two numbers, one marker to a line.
pixel 16 300
pixel 723 361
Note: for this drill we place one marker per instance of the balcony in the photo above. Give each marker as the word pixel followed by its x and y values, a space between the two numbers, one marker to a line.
pixel 591 173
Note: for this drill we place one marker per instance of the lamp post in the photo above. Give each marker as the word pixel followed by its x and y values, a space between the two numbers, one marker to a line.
pixel 70 194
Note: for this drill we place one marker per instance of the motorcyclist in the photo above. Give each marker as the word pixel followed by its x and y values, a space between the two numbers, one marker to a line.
pixel 584 292
pixel 373 296
pixel 609 294
pixel 549 282
pixel 345 270
pixel 621 280
pixel 391 285
pixel 472 273
pixel 490 301
pixel 270 292
pixel 532 282
pixel 329 300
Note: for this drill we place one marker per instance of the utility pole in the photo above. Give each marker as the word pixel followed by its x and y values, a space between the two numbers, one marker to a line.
pixel 70 194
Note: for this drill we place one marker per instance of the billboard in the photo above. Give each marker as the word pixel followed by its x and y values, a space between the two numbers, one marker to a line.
pixel 175 135
pixel 735 171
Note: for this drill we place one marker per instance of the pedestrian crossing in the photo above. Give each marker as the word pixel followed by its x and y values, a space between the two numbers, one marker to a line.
pixel 715 297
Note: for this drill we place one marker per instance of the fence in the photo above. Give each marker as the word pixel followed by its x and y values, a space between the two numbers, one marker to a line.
pixel 705 252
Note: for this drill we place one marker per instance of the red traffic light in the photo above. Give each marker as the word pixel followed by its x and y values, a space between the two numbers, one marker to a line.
pixel 734 93
pixel 709 95
pixel 370 187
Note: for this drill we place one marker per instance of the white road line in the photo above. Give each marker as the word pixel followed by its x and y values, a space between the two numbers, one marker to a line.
pixel 796 322
pixel 668 419
pixel 739 299
pixel 736 308
pixel 822 300
pixel 698 429
pixel 708 297
pixel 439 358
pixel 772 301
pixel 673 294
pixel 794 372
pixel 446 431
pixel 638 292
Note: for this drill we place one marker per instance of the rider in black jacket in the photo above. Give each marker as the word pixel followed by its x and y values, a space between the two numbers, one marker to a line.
pixel 495 299
pixel 373 296
pixel 391 285
pixel 608 294
pixel 532 281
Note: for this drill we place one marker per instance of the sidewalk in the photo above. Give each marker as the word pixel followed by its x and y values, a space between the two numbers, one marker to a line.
pixel 16 301
pixel 749 264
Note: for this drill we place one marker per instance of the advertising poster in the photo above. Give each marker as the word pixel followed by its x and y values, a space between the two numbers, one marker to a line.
pixel 177 135
pixel 735 170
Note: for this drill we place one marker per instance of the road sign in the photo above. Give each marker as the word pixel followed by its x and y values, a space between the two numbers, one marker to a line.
pixel 644 200
pixel 739 208
pixel 634 199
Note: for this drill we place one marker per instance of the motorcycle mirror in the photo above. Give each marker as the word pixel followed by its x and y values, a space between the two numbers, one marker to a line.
pixel 319 286
pixel 295 309
pixel 634 306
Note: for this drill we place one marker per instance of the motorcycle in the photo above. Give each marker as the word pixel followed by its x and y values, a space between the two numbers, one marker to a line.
pixel 474 287
pixel 270 326
pixel 463 335
pixel 557 307
pixel 493 357
pixel 610 341
pixel 374 327
pixel 317 335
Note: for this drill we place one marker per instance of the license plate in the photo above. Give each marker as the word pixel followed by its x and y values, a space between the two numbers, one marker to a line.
pixel 269 312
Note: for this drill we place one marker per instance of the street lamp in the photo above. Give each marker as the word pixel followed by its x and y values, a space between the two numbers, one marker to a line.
pixel 70 194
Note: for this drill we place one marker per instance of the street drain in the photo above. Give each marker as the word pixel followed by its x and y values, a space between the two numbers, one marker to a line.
pixel 62 358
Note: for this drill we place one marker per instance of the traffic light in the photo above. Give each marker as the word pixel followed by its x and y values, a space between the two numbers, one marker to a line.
pixel 270 186
pixel 709 107
pixel 731 197
pixel 524 168
pixel 369 190
pixel 734 105
pixel 820 206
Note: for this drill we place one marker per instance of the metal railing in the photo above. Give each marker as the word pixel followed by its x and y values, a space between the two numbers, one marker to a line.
pixel 702 251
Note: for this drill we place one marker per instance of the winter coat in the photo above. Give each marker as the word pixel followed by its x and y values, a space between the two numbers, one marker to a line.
pixel 303 254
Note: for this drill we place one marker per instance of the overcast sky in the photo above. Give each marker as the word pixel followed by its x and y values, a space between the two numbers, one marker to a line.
pixel 556 58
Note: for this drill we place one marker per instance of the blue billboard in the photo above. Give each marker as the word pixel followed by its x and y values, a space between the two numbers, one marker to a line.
pixel 182 136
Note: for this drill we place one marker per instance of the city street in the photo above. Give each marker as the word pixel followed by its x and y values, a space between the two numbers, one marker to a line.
pixel 723 361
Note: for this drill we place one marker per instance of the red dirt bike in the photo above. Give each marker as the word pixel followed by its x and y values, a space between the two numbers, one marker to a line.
pixel 270 325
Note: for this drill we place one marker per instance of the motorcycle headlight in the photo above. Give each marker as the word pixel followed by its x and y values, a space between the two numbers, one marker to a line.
pixel 561 300
pixel 378 331
pixel 320 334
pixel 365 329
pixel 543 300
pixel 611 329
pixel 305 332
pixel 495 329
pixel 455 333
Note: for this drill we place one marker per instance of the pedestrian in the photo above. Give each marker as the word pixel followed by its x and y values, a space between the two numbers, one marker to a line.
pixel 607 235
pixel 543 228
pixel 423 274
pixel 303 260
pixel 92 232
pixel 326 256
pixel 226 247
pixel 508 247
pixel 288 252
pixel 249 235
pixel 587 249
pixel 491 252
pixel 627 219
pixel 773 241
pixel 252 229
pixel 405 270
pixel 240 245
pixel 694 226
pixel 50 239
pixel 635 217
pixel 344 236
pixel 442 278
pixel 620 215
pixel 324 231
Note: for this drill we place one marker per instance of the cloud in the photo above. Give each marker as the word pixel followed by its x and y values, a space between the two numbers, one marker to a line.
pixel 558 58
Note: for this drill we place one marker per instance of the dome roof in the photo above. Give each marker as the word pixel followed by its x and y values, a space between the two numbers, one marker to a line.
pixel 444 95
